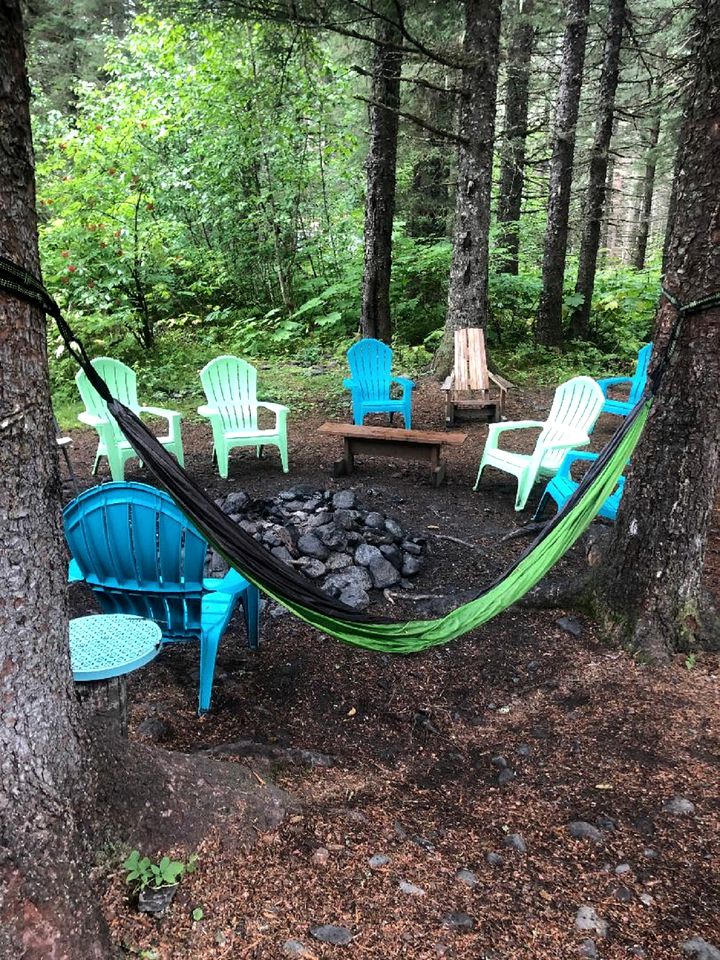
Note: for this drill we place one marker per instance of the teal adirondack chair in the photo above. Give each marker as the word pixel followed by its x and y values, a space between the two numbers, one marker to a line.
pixel 132 545
pixel 637 385
pixel 370 363
pixel 122 383
pixel 562 487
pixel 230 386
pixel 575 408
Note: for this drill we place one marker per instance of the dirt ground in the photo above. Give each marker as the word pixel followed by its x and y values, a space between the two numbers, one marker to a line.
pixel 415 747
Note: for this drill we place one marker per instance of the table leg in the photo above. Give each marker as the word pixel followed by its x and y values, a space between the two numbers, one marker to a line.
pixel 106 700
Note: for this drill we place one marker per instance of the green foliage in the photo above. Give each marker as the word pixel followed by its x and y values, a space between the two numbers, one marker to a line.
pixel 691 661
pixel 198 914
pixel 142 872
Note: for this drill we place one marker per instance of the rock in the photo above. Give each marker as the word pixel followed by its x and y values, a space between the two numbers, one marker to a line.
pixel 523 749
pixel 679 806
pixel 312 546
pixel 410 547
pixel 499 761
pixel 394 529
pixel 374 520
pixel 321 856
pixel 638 952
pixel 516 842
pixel 365 554
pixel 623 868
pixel 410 889
pixel 293 948
pixel 154 728
pixel 378 860
pixel 277 611
pixel 468 877
pixel 647 900
pixel 650 854
pixel 354 596
pixel 333 537
pixel 392 553
pixel 337 582
pixel 346 518
pixel 314 569
pixel 378 538
pixel 312 505
pixel 587 918
pixel 329 933
pixel 410 565
pixel 383 573
pixel 494 859
pixel 249 526
pixel 700 949
pixel 320 519
pixel 582 830
pixel 588 949
pixel 605 822
pixel 344 500
pixel 155 902
pixel 570 625
pixel 458 921
pixel 505 777
pixel 236 502
pixel 338 561
pixel 283 554
pixel 622 894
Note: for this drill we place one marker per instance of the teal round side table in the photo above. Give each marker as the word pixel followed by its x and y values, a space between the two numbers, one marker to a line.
pixel 104 648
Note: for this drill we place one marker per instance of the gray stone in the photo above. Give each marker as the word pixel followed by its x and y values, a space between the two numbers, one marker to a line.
pixel 313 569
pixel 587 918
pixel 700 949
pixel 378 860
pixel 338 561
pixel 365 554
pixel 458 921
pixel 499 761
pixel 523 749
pixel 588 950
pixel 277 611
pixel 354 596
pixel 516 842
pixel 153 728
pixel 155 901
pixel 312 546
pixel 410 566
pixel 646 899
pixel 394 529
pixel 375 520
pixel 345 518
pixel 410 889
pixel 312 505
pixel 383 573
pixel 344 500
pixel 293 948
pixel 505 777
pixel 582 830
pixel 333 537
pixel 650 854
pixel 638 952
pixel 622 868
pixel 623 894
pixel 236 502
pixel 337 582
pixel 393 554
pixel 329 933
pixel 570 625
pixel 679 806
pixel 249 526
pixel 283 554
pixel 467 877
pixel 605 822
pixel 410 547
pixel 494 859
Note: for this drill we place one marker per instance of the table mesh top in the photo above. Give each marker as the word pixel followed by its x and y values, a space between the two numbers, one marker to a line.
pixel 106 646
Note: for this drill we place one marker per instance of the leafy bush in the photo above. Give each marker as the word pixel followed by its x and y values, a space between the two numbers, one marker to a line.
pixel 142 872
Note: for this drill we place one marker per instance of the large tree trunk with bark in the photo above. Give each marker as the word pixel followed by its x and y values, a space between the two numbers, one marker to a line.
pixel 652 583
pixel 648 189
pixel 548 330
pixel 45 907
pixel 512 152
pixel 468 292
pixel 595 196
pixel 381 164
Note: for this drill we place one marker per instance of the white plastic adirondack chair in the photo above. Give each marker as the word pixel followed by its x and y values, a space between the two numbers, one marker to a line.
pixel 122 383
pixel 576 406
pixel 230 386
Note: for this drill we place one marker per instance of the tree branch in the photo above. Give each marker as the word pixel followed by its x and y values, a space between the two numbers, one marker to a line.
pixel 443 134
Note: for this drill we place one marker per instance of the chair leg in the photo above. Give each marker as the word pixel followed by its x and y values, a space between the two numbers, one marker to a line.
pixel 479 474
pixel 222 455
pixel 282 447
pixel 541 507
pixel 525 485
pixel 390 418
pixel 117 464
pixel 179 452
pixel 96 464
pixel 251 605
pixel 208 654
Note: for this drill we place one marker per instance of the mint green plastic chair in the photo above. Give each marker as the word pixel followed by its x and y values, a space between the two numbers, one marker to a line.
pixel 230 386
pixel 576 406
pixel 122 383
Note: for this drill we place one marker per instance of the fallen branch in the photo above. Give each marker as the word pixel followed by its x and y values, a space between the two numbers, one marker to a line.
pixel 464 543
pixel 529 530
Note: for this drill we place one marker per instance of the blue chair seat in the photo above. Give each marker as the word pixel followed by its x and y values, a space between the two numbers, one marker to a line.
pixel 562 487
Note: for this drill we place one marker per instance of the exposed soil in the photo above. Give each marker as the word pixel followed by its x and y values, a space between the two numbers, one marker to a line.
pixel 590 734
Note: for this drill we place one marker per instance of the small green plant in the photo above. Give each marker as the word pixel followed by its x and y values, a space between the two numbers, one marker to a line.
pixel 690 661
pixel 142 872
pixel 197 914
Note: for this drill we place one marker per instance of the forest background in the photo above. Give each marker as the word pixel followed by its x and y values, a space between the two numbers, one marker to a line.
pixel 202 184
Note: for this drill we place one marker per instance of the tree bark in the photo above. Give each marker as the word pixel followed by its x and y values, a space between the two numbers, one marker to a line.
pixel 375 320
pixel 512 152
pixel 643 231
pixel 549 330
pixel 651 585
pixel 468 291
pixel 45 905
pixel 596 188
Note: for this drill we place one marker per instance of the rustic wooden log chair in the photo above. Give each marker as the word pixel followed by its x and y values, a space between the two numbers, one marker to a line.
pixel 471 388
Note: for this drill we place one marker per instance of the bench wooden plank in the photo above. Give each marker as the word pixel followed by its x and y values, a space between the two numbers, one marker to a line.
pixel 392 434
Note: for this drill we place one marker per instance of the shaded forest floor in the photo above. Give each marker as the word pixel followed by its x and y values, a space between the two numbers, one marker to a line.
pixel 415 746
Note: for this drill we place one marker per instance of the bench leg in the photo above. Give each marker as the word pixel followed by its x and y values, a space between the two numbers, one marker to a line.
pixel 437 468
pixel 344 467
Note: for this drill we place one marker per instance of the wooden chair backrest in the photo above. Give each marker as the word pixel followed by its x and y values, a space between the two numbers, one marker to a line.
pixel 471 371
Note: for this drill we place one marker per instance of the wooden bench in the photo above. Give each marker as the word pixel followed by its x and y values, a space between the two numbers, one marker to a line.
pixel 389 442
pixel 471 387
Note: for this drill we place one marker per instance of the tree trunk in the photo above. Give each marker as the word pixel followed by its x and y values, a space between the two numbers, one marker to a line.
pixel 548 330
pixel 595 196
pixel 468 292
pixel 45 905
pixel 375 320
pixel 512 153
pixel 651 585
pixel 641 238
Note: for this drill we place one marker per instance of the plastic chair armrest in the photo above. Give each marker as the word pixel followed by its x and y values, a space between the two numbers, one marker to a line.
pixel 495 428
pixel 404 381
pixel 233 582
pixel 274 407
pixel 91 419
pixel 612 382
pixel 572 438
pixel 571 458
pixel 74 573
pixel 207 411
pixel 161 412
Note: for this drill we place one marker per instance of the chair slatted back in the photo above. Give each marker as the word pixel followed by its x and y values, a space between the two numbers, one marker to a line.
pixel 641 374
pixel 370 363
pixel 122 384
pixel 230 385
pixel 470 370
pixel 139 554
pixel 577 404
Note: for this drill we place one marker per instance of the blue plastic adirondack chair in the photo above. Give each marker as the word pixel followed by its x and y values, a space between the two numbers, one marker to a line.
pixel 637 385
pixel 141 556
pixel 562 486
pixel 370 363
